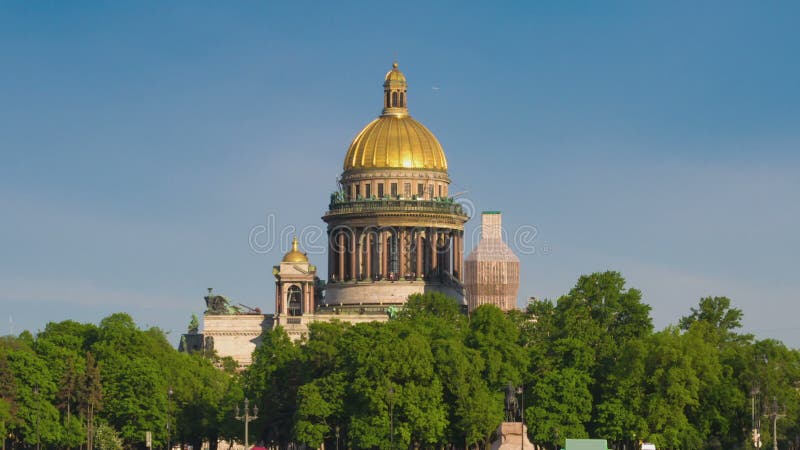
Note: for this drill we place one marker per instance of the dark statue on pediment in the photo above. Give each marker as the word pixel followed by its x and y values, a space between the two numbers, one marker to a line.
pixel 219 305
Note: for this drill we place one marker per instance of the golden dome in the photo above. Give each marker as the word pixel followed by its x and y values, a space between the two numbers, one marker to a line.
pixel 295 255
pixel 395 74
pixel 395 140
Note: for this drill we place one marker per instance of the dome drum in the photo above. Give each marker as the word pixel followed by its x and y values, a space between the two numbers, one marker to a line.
pixel 370 256
pixel 395 184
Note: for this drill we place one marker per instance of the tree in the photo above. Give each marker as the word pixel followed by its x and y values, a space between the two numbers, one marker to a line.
pixel 37 420
pixel 201 400
pixel 272 381
pixel 434 312
pixel 561 404
pixel 723 412
pixel 593 324
pixel 67 395
pixel 5 420
pixel 315 410
pixel 7 391
pixel 474 411
pixel 620 416
pixel 537 331
pixel 679 371
pixel 383 388
pixel 91 396
pixel 717 312
pixel 107 438
pixel 496 338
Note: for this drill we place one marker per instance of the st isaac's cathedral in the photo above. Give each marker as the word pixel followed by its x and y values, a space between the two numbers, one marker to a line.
pixel 393 230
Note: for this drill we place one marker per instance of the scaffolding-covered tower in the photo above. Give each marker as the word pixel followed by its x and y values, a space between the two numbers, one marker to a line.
pixel 491 271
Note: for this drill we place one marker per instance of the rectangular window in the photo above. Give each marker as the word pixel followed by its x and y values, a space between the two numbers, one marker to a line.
pixel 407 190
pixel 430 192
pixel 358 191
pixel 368 190
pixel 380 190
pixel 420 190
pixel 440 191
pixel 394 190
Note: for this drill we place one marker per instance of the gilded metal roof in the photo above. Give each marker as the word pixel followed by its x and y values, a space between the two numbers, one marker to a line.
pixel 295 255
pixel 395 142
pixel 395 74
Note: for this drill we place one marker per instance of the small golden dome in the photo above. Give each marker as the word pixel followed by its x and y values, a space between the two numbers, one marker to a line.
pixel 395 74
pixel 395 142
pixel 295 255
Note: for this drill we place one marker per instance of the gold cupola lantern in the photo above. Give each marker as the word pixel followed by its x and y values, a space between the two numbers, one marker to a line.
pixel 395 91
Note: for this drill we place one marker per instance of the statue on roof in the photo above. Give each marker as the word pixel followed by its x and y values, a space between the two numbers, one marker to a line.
pixel 219 305
pixel 194 325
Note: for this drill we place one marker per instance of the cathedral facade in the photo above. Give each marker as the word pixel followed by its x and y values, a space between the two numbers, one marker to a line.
pixel 393 230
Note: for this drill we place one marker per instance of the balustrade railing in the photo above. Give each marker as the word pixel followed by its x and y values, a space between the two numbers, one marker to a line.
pixel 447 206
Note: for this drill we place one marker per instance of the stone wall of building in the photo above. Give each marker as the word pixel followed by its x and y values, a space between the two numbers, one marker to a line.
pixel 386 292
pixel 235 335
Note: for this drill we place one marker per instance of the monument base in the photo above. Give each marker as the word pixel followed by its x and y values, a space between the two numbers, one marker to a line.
pixel 512 435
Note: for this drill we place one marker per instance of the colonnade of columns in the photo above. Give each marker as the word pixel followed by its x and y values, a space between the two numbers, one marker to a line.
pixel 394 253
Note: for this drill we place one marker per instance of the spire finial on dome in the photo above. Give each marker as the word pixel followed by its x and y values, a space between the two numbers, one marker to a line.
pixel 395 65
pixel 294 244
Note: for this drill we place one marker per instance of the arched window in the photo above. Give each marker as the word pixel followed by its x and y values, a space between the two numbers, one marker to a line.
pixel 394 99
pixel 402 100
pixel 386 101
pixel 293 296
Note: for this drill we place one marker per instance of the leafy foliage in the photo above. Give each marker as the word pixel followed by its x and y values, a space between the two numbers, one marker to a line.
pixel 590 363
pixel 76 382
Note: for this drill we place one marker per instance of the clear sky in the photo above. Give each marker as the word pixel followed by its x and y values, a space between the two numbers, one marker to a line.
pixel 141 142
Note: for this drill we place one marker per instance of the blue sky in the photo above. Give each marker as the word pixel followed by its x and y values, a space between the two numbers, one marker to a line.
pixel 142 142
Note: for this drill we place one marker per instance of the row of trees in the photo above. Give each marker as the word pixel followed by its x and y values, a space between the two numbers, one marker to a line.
pixel 590 363
pixel 85 386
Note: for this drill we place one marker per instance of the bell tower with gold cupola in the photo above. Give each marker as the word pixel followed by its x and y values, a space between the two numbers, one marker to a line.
pixel 393 229
pixel 295 292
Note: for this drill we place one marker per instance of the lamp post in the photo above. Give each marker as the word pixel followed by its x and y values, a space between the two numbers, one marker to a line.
pixel 755 421
pixel 38 400
pixel 337 437
pixel 169 418
pixel 391 418
pixel 247 418
pixel 521 392
pixel 775 414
